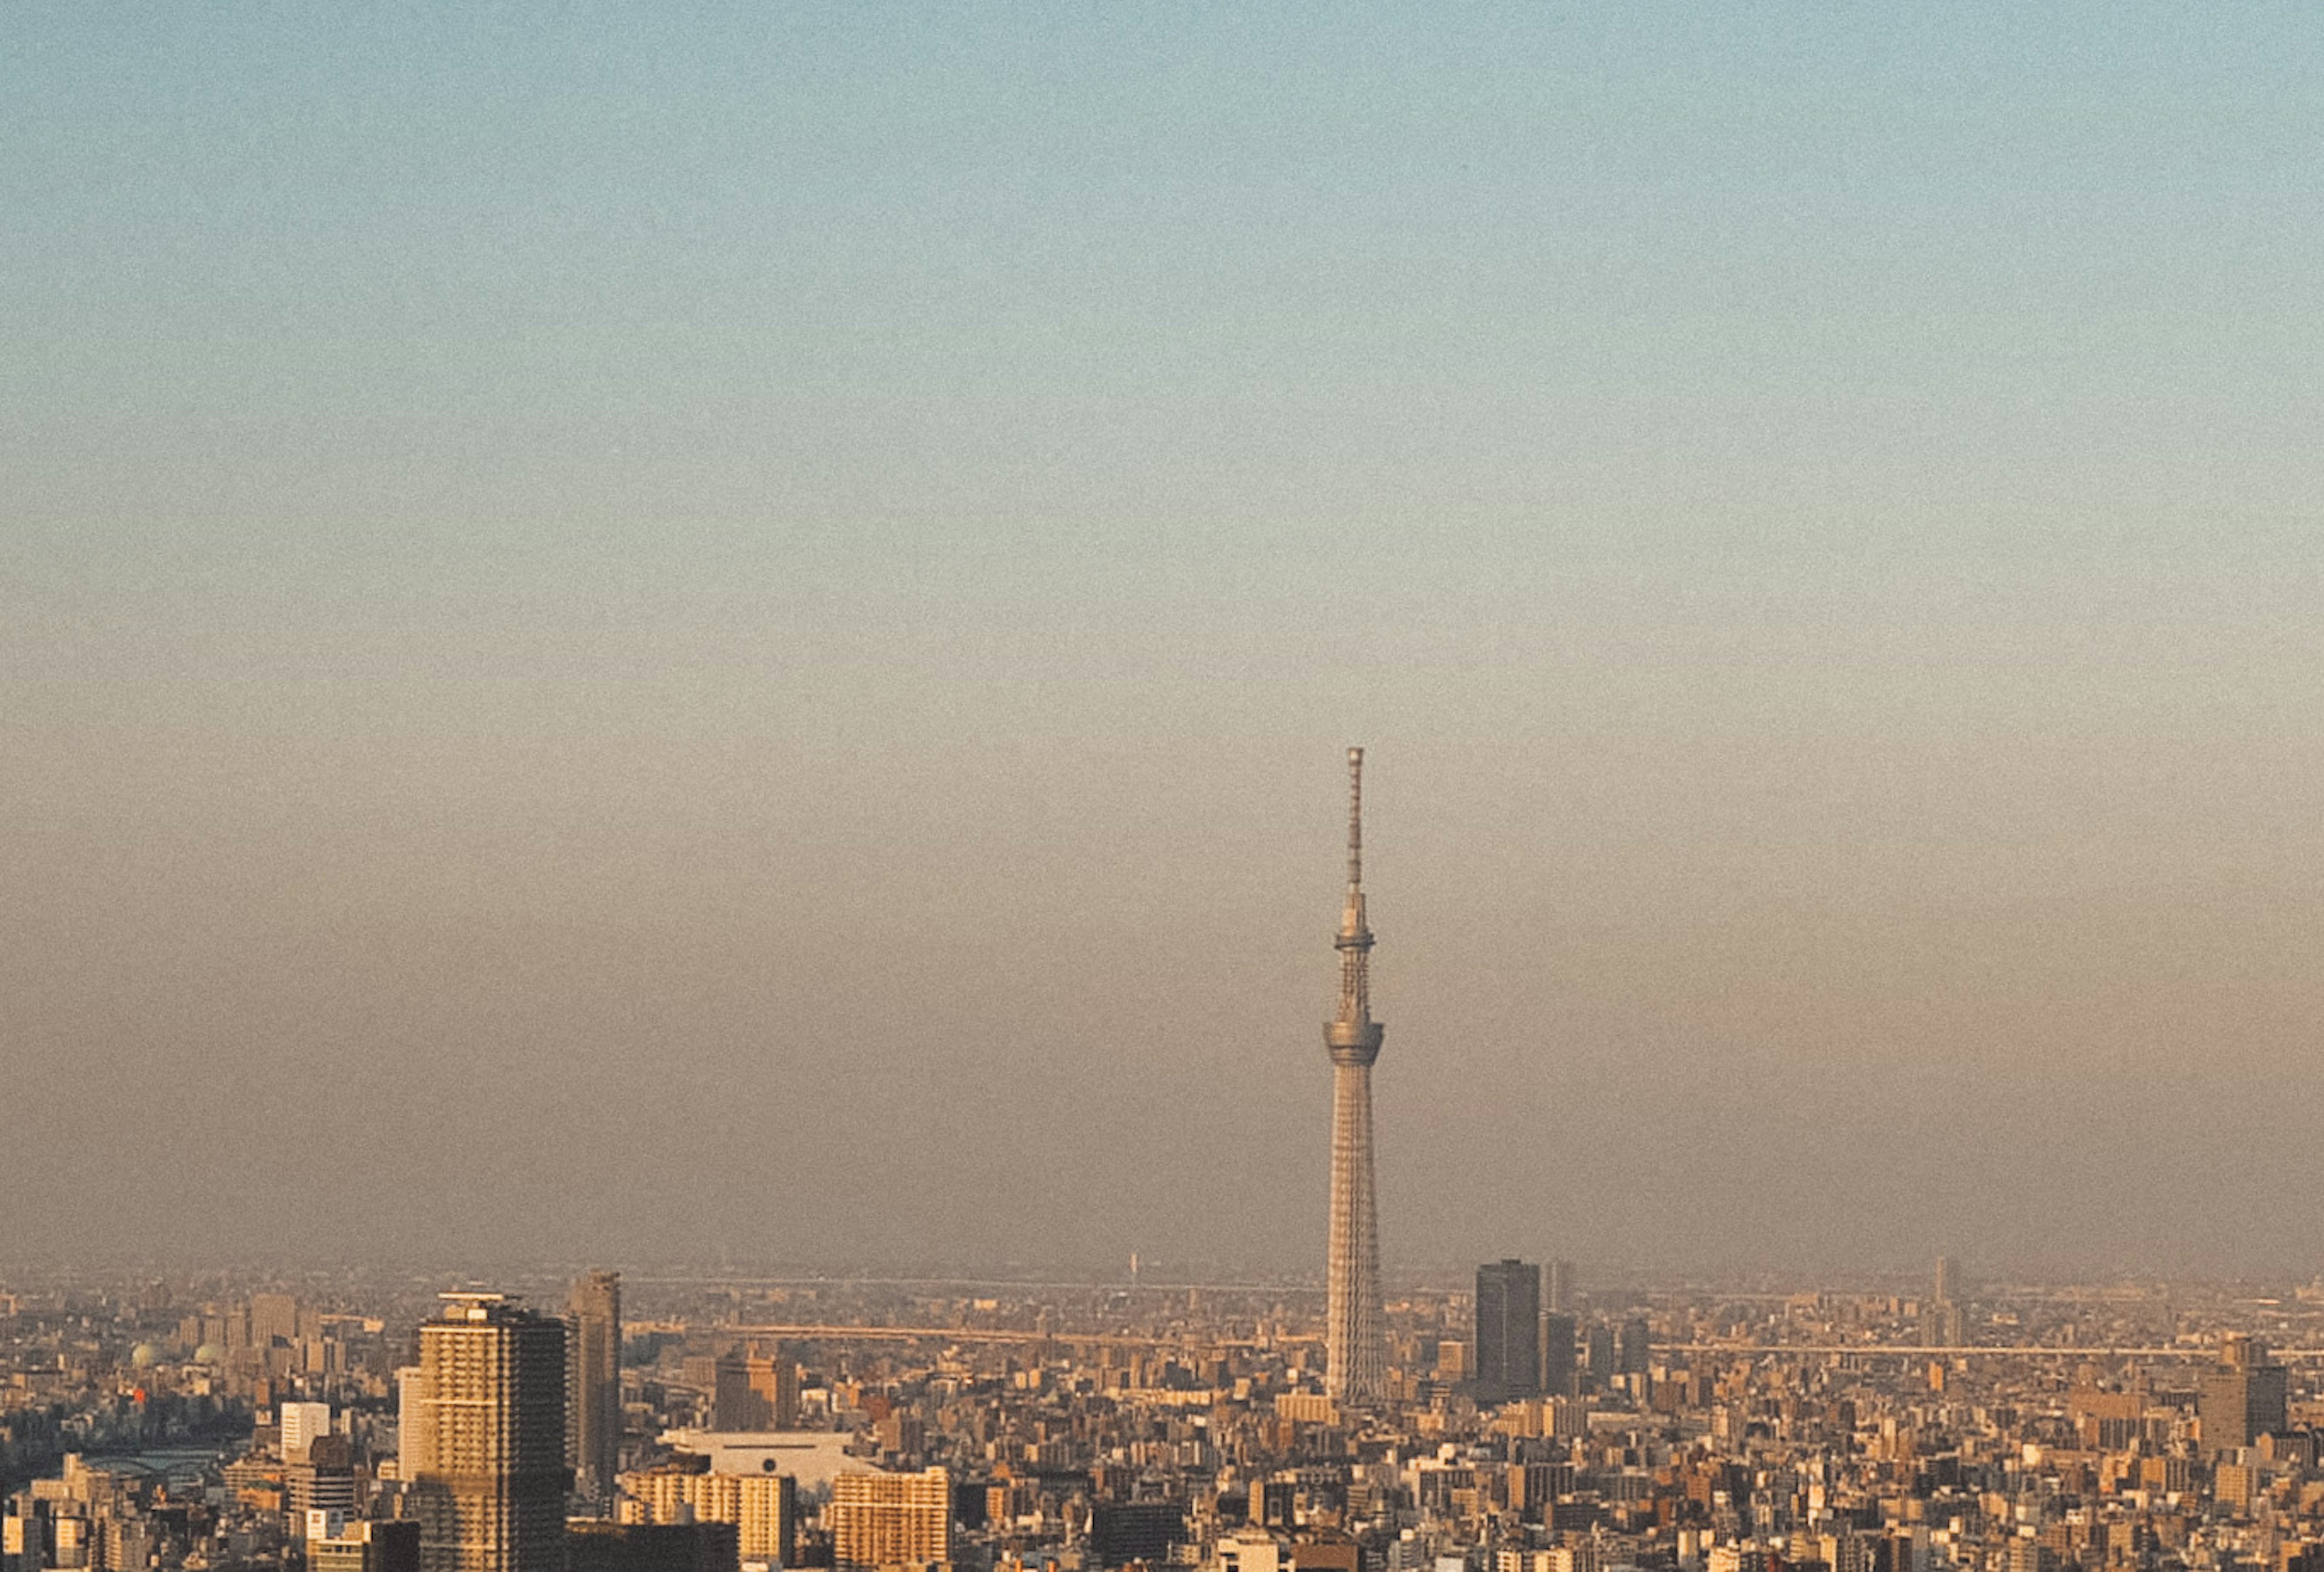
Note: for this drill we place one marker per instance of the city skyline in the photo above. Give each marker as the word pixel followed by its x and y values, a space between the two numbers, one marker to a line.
pixel 789 574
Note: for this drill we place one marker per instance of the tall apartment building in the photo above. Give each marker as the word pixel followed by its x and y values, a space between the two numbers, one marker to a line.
pixel 488 1403
pixel 1509 1330
pixel 879 1520
pixel 594 1387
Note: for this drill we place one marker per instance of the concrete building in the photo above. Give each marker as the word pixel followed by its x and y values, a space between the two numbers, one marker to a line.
pixel 735 1404
pixel 490 1413
pixel 301 1422
pixel 411 1434
pixel 1509 1330
pixel 1558 1332
pixel 366 1546
pixel 594 1387
pixel 2241 1400
pixel 774 1376
pixel 762 1507
pixel 605 1547
pixel 881 1519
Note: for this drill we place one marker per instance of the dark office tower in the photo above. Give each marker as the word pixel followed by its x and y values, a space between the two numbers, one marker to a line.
pixel 1557 1334
pixel 1557 1287
pixel 490 1403
pixel 1509 1330
pixel 2243 1398
pixel 1635 1346
pixel 1123 1533
pixel 1600 1353
pixel 594 1387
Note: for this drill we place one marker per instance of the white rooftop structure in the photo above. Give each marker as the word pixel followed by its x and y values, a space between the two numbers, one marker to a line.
pixel 813 1457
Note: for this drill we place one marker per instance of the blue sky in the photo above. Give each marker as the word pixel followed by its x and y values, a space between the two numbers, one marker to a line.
pixel 799 531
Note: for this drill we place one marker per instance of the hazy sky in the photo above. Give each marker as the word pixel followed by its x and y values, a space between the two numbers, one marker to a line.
pixel 632 631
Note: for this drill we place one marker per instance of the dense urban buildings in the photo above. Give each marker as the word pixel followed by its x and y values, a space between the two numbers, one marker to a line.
pixel 2118 1427
pixel 1355 1358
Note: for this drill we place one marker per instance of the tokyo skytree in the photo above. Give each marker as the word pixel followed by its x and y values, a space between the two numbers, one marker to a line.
pixel 1355 1351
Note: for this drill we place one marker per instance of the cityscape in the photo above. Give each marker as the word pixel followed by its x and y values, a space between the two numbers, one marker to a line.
pixel 1055 786
pixel 1527 1422
pixel 1530 1421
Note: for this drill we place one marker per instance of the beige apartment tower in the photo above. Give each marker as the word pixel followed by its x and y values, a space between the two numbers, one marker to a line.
pixel 1355 1351
pixel 488 1400
pixel 884 1520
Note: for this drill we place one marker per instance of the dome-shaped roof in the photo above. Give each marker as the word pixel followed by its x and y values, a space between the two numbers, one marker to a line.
pixel 145 1356
pixel 209 1353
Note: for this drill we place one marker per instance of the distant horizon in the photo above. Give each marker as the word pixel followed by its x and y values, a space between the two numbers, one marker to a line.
pixel 1898 1281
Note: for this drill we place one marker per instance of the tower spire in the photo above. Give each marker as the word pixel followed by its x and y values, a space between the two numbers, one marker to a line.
pixel 1354 942
pixel 1355 1354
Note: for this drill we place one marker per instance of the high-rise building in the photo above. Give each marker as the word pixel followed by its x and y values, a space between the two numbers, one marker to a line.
pixel 323 1482
pixel 410 1431
pixel 1558 1288
pixel 1509 1330
pixel 1598 1349
pixel 774 1376
pixel 274 1319
pixel 1557 1334
pixel 1945 1285
pixel 1355 1353
pixel 880 1520
pixel 2241 1400
pixel 490 1413
pixel 1637 1347
pixel 735 1403
pixel 593 1386
pixel 301 1422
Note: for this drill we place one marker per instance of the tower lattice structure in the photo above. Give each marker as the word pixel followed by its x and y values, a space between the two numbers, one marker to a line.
pixel 1355 1350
